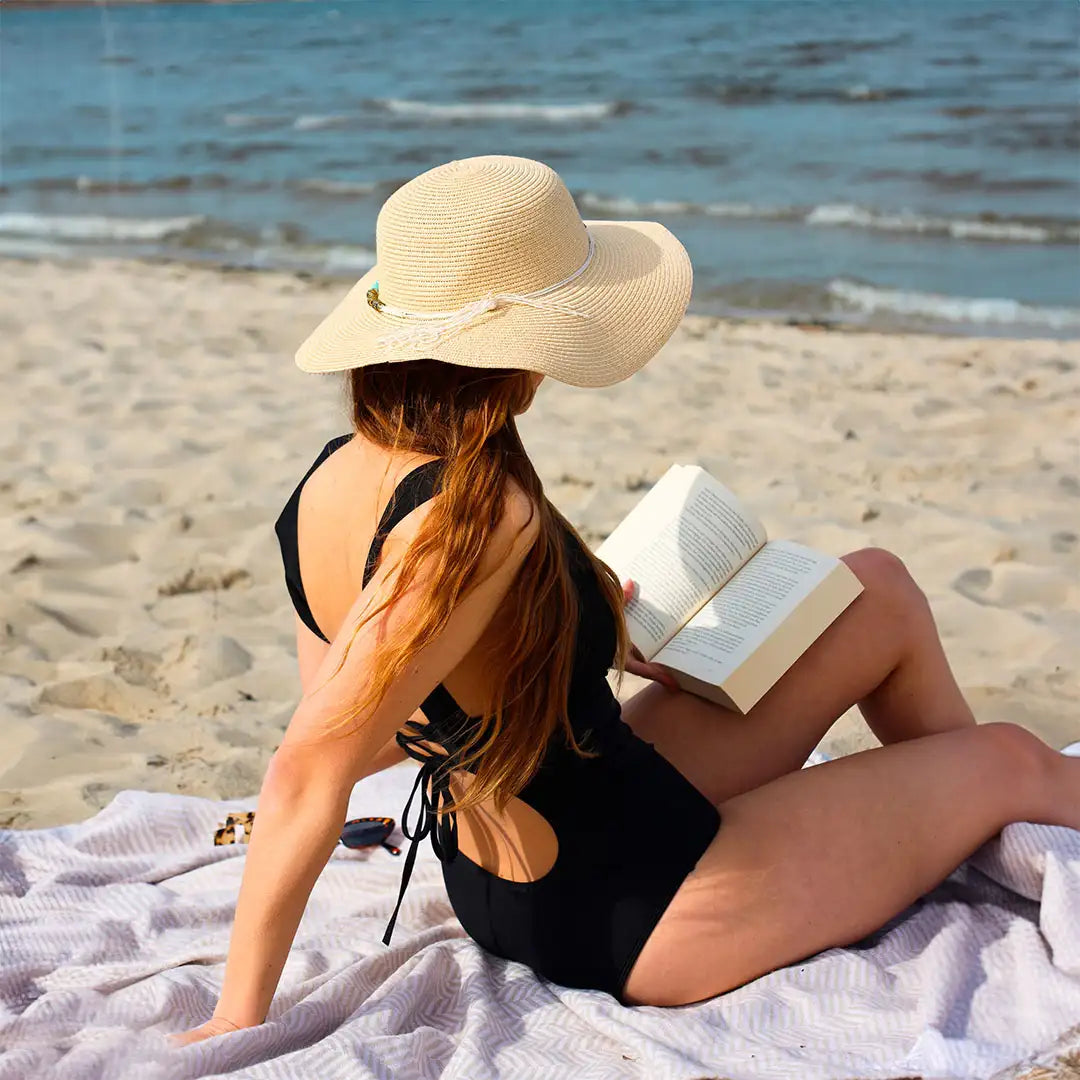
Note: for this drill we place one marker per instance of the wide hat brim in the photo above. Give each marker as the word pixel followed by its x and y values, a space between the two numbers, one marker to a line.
pixel 631 297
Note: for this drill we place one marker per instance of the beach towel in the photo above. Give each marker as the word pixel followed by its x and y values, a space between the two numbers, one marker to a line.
pixel 114 932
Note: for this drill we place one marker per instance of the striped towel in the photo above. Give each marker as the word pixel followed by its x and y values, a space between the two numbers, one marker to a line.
pixel 114 931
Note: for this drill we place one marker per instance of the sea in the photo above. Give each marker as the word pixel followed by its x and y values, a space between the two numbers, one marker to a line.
pixel 904 165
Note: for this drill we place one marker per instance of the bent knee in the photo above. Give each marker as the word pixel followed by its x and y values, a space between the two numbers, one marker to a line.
pixel 1016 752
pixel 885 577
pixel 875 566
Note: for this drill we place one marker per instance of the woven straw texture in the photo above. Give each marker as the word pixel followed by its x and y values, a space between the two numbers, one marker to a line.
pixel 505 224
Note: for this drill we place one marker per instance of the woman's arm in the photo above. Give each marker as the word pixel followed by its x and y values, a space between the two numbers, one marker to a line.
pixel 305 793
pixel 311 651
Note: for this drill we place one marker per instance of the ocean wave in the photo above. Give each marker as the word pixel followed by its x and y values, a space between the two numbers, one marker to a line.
pixel 95 185
pixel 255 120
pixel 340 258
pixel 430 110
pixel 1018 230
pixel 333 188
pixel 621 205
pixel 318 122
pixel 503 110
pixel 767 91
pixel 95 227
pixel 971 180
pixel 331 259
pixel 1009 230
pixel 193 232
pixel 872 299
pixel 303 122
pixel 865 92
pixel 195 237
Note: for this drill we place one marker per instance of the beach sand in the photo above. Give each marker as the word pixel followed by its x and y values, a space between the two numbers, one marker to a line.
pixel 155 424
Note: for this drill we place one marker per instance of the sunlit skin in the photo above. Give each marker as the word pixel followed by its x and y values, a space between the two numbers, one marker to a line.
pixel 804 859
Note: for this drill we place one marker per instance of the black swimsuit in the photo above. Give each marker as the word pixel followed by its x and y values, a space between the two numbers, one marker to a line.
pixel 629 825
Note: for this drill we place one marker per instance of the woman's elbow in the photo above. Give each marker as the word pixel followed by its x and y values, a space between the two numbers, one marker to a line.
pixel 298 777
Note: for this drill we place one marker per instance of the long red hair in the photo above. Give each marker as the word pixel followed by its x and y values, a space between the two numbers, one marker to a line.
pixel 465 416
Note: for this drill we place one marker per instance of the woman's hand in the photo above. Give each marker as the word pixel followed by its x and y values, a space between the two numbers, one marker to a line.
pixel 216 1025
pixel 636 664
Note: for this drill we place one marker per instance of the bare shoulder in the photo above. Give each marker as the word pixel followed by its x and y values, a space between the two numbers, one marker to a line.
pixel 332 486
pixel 511 540
pixel 520 511
pixel 519 525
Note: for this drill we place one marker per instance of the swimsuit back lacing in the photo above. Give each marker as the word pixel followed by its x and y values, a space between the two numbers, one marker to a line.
pixel 433 778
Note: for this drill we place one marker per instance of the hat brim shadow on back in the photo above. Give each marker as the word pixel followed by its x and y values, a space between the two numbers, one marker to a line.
pixel 630 299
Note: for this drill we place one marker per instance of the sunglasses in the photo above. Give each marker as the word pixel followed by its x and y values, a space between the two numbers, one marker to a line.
pixel 359 832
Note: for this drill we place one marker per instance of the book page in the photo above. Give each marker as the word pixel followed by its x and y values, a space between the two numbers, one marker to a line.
pixel 738 619
pixel 687 536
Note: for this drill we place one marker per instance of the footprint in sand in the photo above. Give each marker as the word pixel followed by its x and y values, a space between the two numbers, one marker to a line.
pixel 201 660
pixel 105 692
pixel 195 580
pixel 136 667
pixel 1017 585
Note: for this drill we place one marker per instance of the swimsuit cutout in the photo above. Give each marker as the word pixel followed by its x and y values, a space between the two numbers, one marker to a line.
pixel 629 825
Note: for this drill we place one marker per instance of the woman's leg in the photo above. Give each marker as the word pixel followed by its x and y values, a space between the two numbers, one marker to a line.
pixel 883 653
pixel 822 857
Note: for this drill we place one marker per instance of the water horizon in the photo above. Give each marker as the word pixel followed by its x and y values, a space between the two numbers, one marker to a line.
pixel 820 159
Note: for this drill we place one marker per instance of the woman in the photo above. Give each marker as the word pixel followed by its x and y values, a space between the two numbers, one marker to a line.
pixel 666 851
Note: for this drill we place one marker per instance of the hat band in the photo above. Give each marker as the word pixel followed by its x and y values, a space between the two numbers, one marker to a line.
pixel 436 325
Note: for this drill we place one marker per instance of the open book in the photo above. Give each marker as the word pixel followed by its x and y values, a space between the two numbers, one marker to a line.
pixel 724 608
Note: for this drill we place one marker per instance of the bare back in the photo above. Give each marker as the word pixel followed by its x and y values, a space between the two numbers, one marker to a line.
pixel 339 509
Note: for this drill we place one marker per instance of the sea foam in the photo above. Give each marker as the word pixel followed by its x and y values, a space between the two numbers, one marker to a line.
pixel 91 227
pixel 954 309
pixel 851 216
pixel 501 110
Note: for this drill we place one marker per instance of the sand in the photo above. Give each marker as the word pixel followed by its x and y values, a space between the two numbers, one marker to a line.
pixel 154 425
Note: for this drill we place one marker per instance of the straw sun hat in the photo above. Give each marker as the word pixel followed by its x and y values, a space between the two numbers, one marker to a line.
pixel 486 262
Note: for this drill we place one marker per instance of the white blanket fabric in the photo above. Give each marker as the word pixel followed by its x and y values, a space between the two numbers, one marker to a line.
pixel 114 931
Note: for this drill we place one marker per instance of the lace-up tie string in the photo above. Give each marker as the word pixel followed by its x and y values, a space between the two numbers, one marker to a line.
pixel 434 771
